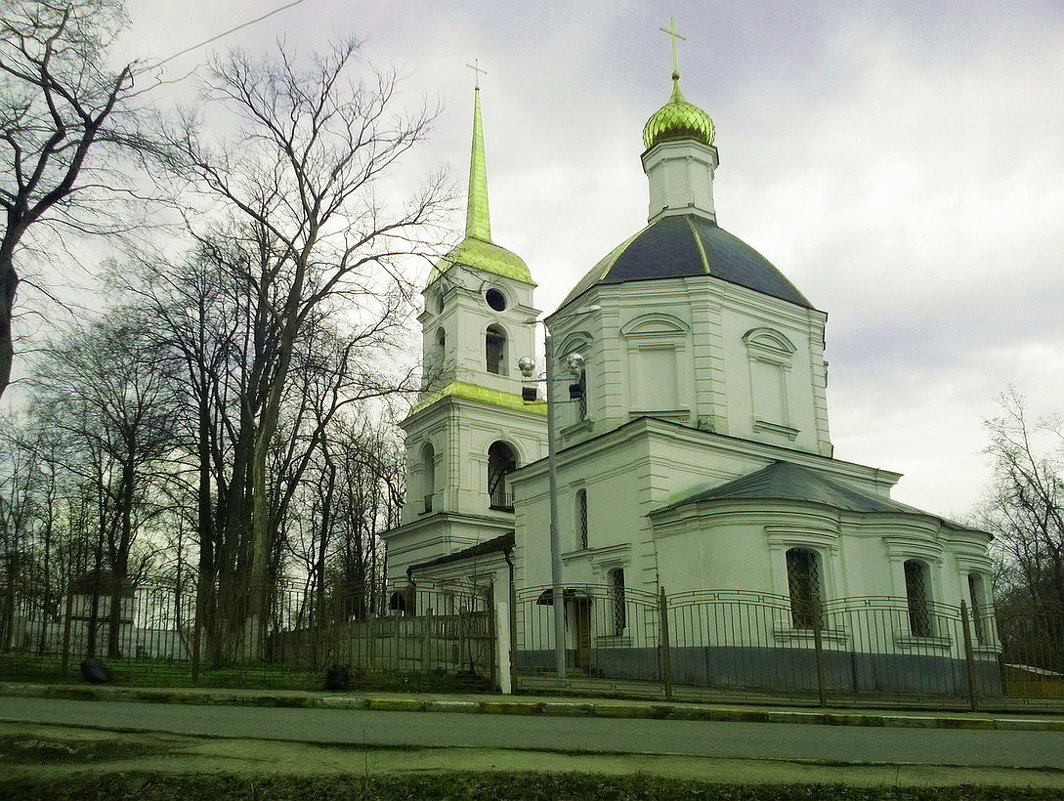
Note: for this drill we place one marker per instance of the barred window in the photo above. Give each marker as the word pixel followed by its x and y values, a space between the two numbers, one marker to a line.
pixel 918 597
pixel 620 617
pixel 581 518
pixel 581 403
pixel 803 582
pixel 977 596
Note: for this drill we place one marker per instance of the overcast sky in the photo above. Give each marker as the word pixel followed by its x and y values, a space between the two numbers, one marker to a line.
pixel 900 162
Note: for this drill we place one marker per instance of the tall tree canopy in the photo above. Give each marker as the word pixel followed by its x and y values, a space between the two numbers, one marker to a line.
pixel 61 105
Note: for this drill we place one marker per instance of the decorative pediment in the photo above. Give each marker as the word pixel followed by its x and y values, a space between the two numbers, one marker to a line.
pixel 655 325
pixel 770 340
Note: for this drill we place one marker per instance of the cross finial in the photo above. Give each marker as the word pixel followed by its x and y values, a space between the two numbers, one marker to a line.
pixel 475 66
pixel 675 34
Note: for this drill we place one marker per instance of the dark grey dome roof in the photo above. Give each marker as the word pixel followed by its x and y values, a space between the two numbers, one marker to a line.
pixel 687 245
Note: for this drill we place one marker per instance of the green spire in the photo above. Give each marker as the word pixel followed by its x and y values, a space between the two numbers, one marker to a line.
pixel 477 250
pixel 478 220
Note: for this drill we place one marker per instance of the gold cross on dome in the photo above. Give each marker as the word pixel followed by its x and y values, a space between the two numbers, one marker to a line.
pixel 475 66
pixel 675 34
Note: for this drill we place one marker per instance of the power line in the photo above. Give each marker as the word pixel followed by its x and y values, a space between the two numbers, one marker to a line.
pixel 224 34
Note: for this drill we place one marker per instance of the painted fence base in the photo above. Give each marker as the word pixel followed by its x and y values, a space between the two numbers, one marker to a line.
pixel 785 669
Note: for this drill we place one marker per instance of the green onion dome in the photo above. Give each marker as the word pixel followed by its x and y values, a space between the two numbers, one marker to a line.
pixel 678 119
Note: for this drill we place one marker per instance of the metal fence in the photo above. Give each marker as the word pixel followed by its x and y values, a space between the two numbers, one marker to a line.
pixel 760 646
pixel 153 633
pixel 709 644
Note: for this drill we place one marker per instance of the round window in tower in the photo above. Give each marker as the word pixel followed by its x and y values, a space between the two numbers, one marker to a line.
pixel 495 299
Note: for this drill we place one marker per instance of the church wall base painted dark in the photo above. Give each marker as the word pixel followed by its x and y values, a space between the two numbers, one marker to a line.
pixel 786 669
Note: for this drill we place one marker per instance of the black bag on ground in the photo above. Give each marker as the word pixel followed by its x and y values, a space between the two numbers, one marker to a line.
pixel 338 678
pixel 94 671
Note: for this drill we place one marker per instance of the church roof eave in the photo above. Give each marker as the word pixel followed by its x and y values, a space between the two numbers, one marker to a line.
pixel 500 544
pixel 483 255
pixel 478 394
pixel 790 483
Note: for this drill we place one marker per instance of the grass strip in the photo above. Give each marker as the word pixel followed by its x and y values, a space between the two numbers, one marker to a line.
pixel 468 786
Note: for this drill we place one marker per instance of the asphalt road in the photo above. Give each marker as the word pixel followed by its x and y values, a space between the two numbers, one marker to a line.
pixel 843 744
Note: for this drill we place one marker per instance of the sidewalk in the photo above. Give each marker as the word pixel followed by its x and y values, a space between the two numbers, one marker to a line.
pixel 538 705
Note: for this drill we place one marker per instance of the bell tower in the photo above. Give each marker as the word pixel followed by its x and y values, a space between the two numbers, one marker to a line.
pixel 470 427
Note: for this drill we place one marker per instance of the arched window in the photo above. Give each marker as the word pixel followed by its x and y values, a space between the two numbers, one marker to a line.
pixel 402 602
pixel 495 350
pixel 803 582
pixel 576 351
pixel 616 587
pixel 918 598
pixel 428 475
pixel 501 462
pixel 441 344
pixel 581 519
pixel 581 401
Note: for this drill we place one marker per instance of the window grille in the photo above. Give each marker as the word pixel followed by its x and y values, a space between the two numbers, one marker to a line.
pixel 581 404
pixel 581 518
pixel 975 593
pixel 803 580
pixel 918 596
pixel 620 617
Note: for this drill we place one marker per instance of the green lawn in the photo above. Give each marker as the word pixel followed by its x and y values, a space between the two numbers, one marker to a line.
pixel 47 669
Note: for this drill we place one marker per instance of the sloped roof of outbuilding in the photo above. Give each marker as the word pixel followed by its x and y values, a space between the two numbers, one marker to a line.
pixel 504 542
pixel 689 245
pixel 785 481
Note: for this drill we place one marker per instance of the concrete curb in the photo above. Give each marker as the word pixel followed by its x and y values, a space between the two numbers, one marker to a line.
pixel 495 706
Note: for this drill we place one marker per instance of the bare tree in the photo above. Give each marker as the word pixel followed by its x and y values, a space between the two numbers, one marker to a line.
pixel 1026 504
pixel 306 176
pixel 1025 511
pixel 61 106
pixel 100 391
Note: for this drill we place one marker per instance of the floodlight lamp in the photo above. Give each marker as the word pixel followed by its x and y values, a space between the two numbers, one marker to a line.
pixel 575 361
pixel 527 365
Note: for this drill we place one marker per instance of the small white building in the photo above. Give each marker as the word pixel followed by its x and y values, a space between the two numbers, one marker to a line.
pixel 698 459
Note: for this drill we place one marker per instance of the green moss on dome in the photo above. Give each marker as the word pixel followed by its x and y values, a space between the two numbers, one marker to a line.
pixel 487 256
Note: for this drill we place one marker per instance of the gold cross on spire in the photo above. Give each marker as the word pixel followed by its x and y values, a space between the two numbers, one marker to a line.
pixel 475 66
pixel 675 34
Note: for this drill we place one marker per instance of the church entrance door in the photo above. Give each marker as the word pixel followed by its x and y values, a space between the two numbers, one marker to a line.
pixel 581 617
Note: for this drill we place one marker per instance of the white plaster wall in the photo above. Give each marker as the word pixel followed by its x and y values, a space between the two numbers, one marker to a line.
pixel 680 175
pixel 465 317
pixel 461 431
pixel 712 362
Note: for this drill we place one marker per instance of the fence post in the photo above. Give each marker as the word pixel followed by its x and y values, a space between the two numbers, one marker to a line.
pixel 197 645
pixel 494 651
pixel 65 663
pixel 502 647
pixel 969 657
pixel 663 633
pixel 818 649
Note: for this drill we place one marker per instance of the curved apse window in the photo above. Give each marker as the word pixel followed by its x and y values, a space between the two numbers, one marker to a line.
pixel 495 299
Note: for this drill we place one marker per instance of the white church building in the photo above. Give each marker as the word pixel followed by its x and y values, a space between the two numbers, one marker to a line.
pixel 698 458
